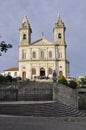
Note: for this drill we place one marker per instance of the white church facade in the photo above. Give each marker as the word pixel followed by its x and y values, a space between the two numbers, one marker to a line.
pixel 42 57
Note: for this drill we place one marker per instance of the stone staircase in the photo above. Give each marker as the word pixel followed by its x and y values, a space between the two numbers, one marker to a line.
pixel 39 109
pixel 36 99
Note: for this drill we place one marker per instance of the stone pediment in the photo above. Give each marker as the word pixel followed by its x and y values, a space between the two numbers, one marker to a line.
pixel 42 42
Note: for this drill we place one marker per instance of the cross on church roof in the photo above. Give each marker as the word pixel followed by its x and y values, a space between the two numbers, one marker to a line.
pixel 42 35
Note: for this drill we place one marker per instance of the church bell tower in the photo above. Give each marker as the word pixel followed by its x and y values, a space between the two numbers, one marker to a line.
pixel 25 32
pixel 59 31
pixel 24 43
pixel 60 46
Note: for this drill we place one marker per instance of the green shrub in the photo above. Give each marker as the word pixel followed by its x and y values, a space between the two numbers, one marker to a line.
pixel 8 78
pixel 18 78
pixel 62 79
pixel 72 84
pixel 2 78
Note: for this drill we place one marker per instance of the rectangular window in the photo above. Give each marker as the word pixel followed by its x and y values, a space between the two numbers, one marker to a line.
pixel 9 73
pixel 15 73
pixel 23 54
pixel 42 54
pixel 50 54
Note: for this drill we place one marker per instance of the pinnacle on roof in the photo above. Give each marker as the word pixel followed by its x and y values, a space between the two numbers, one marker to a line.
pixel 59 23
pixel 42 35
pixel 25 24
pixel 25 20
pixel 59 18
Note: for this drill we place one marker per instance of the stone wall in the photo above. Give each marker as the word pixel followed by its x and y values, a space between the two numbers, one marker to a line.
pixel 36 91
pixel 65 95
pixel 47 91
pixel 8 94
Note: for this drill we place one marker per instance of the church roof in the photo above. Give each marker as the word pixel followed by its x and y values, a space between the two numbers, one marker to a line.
pixel 12 69
pixel 37 41
pixel 42 42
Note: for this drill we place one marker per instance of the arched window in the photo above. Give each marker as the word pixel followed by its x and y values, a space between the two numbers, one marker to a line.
pixel 23 75
pixel 24 36
pixel 23 54
pixel 34 54
pixel 50 54
pixel 42 71
pixel 42 54
pixel 59 35
pixel 50 71
pixel 33 71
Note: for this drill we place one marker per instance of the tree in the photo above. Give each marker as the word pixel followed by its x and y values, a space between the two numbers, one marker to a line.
pixel 83 81
pixel 2 79
pixel 4 47
pixel 8 78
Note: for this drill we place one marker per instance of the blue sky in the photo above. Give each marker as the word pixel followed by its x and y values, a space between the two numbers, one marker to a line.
pixel 42 15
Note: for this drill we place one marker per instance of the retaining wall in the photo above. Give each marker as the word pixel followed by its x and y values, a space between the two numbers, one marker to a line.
pixel 65 95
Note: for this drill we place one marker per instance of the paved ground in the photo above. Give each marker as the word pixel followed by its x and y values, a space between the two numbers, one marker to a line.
pixel 41 123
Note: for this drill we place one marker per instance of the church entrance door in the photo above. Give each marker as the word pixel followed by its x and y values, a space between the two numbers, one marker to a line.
pixel 23 75
pixel 42 72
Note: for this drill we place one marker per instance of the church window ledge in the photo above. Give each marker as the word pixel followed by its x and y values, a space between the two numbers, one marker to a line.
pixel 42 59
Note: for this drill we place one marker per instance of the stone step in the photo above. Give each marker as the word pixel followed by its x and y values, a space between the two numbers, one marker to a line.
pixel 40 109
